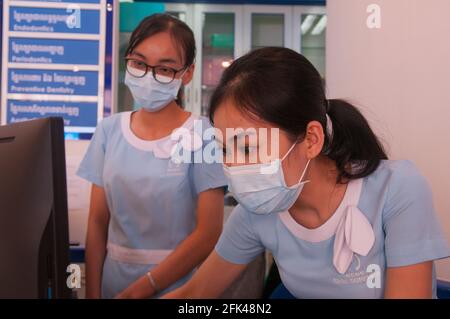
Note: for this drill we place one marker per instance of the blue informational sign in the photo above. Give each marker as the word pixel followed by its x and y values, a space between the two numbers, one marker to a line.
pixel 52 20
pixel 26 81
pixel 50 51
pixel 74 113
pixel 57 61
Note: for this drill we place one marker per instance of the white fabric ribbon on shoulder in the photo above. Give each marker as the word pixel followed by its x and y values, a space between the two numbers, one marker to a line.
pixel 352 231
pixel 354 234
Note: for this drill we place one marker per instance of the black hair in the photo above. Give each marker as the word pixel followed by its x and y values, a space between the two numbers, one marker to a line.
pixel 178 30
pixel 282 87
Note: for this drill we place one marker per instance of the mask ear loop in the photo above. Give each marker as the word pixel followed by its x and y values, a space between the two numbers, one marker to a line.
pixel 290 149
pixel 304 172
pixel 306 167
pixel 184 72
pixel 181 86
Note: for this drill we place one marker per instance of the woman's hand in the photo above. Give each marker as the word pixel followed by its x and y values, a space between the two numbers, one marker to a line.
pixel 140 289
pixel 210 280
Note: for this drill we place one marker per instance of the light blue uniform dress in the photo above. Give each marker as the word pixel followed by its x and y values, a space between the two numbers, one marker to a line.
pixel 152 199
pixel 384 220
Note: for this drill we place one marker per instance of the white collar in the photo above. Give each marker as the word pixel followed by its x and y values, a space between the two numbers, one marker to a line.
pixel 162 147
pixel 353 232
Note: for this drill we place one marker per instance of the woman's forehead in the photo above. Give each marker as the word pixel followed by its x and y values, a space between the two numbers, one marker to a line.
pixel 231 124
pixel 159 48
pixel 228 115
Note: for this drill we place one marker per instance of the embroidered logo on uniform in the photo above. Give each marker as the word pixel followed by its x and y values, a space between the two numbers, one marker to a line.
pixel 370 275
pixel 175 169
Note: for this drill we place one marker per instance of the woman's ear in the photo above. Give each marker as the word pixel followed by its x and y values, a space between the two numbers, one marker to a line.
pixel 188 74
pixel 314 139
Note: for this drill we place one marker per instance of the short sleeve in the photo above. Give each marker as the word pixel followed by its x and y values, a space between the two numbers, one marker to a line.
pixel 207 176
pixel 91 167
pixel 412 230
pixel 207 173
pixel 239 244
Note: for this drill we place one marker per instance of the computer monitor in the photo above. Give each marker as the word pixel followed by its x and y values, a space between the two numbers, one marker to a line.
pixel 34 240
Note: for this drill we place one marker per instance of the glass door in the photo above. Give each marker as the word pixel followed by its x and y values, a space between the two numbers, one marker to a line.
pixel 310 25
pixel 267 30
pixel 217 51
pixel 218 44
pixel 184 12
pixel 267 26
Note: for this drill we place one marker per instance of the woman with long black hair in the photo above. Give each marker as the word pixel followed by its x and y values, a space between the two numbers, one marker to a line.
pixel 340 219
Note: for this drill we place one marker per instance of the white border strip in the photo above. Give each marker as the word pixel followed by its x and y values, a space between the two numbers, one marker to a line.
pixel 53 5
pixel 54 35
pixel 78 129
pixel 115 58
pixel 50 97
pixel 5 51
pixel 101 61
pixel 62 67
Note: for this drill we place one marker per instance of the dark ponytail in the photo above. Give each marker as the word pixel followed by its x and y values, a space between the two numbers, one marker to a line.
pixel 354 147
pixel 282 87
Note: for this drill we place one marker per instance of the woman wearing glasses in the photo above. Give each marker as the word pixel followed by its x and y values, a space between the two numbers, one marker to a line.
pixel 151 220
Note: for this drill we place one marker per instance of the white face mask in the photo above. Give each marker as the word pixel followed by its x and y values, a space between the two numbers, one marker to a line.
pixel 261 188
pixel 149 93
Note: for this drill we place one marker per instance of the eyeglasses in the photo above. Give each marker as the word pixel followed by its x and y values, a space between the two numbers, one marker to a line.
pixel 162 74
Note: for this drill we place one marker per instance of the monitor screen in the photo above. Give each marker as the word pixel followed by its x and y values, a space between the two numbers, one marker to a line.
pixel 34 241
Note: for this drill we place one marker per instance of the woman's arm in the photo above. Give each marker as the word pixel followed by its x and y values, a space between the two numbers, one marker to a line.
pixel 189 253
pixel 210 281
pixel 414 281
pixel 97 234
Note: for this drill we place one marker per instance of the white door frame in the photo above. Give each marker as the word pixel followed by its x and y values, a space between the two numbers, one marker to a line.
pixel 188 10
